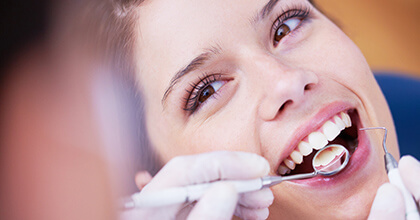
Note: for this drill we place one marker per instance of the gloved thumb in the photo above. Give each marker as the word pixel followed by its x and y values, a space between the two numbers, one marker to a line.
pixel 388 204
pixel 410 173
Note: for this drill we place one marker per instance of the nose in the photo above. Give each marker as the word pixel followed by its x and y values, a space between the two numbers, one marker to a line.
pixel 283 87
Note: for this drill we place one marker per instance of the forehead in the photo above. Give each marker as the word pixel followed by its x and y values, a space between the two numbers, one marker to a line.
pixel 174 31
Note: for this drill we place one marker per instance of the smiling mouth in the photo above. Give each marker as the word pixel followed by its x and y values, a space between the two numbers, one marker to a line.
pixel 340 129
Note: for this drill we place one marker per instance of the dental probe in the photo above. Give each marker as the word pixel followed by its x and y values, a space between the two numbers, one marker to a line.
pixel 190 193
pixel 391 166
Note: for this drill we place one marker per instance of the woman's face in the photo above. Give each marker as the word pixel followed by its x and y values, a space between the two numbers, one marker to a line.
pixel 263 76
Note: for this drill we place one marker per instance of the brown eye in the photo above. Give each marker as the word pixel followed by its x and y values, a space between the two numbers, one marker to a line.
pixel 285 28
pixel 209 90
pixel 282 31
pixel 206 93
pixel 203 91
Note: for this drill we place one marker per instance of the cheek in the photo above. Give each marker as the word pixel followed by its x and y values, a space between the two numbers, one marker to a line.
pixel 337 57
pixel 332 55
pixel 225 132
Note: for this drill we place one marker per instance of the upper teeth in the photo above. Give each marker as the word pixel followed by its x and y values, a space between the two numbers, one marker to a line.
pixel 316 140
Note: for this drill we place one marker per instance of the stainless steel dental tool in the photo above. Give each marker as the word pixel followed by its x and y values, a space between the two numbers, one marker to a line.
pixel 327 161
pixel 391 166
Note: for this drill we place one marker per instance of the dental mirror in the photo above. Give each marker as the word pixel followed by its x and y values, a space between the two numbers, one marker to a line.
pixel 330 159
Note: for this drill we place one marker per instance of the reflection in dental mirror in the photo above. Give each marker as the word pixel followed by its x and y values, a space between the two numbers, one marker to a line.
pixel 330 160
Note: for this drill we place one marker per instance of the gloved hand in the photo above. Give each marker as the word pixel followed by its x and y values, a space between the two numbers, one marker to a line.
pixel 220 201
pixel 389 202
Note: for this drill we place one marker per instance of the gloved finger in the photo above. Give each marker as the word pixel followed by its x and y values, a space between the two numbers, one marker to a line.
pixel 248 213
pixel 409 169
pixel 206 167
pixel 185 210
pixel 218 202
pixel 256 199
pixel 388 204
pixel 142 179
pixel 148 213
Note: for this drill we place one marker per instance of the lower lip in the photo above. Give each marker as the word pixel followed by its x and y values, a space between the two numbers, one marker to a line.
pixel 357 162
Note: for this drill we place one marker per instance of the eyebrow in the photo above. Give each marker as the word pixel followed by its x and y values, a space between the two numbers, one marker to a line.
pixel 267 9
pixel 204 57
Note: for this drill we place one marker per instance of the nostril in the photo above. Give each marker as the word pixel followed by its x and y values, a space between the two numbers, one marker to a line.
pixel 288 102
pixel 308 87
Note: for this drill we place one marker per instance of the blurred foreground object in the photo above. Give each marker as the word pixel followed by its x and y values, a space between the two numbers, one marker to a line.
pixel 54 160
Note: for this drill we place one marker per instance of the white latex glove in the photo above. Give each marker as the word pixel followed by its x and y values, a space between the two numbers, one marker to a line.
pixel 389 202
pixel 221 200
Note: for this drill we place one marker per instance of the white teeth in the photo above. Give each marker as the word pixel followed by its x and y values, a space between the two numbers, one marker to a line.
pixel 283 169
pixel 330 130
pixel 297 157
pixel 340 124
pixel 305 148
pixel 289 163
pixel 346 119
pixel 317 140
pixel 326 157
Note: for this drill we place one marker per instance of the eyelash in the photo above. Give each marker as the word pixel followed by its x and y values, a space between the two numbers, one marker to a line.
pixel 301 12
pixel 192 103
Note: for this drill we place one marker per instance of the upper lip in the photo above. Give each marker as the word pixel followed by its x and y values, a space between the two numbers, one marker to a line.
pixel 325 113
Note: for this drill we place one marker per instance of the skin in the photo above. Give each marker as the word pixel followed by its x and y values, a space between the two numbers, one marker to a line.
pixel 269 92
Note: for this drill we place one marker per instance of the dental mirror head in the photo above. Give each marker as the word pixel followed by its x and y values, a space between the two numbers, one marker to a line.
pixel 330 160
